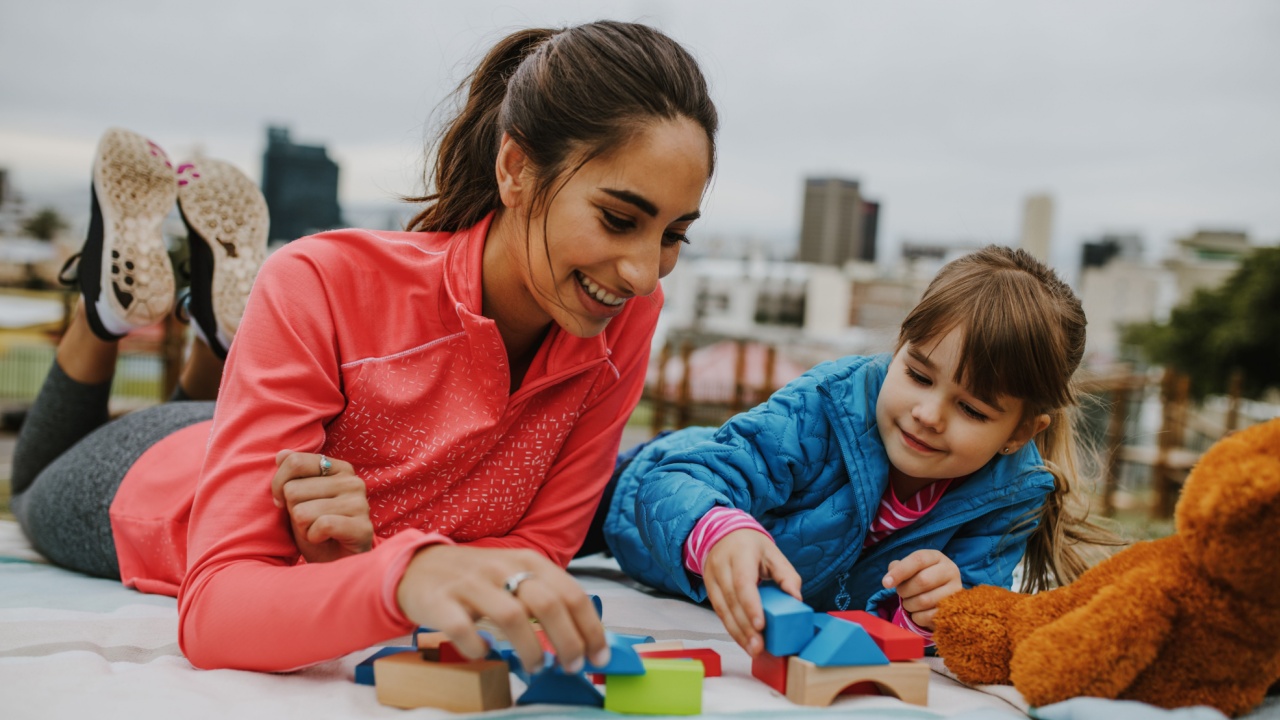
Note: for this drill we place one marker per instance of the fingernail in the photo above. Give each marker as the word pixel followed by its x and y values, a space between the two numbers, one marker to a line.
pixel 888 581
pixel 275 502
pixel 602 658
pixel 574 666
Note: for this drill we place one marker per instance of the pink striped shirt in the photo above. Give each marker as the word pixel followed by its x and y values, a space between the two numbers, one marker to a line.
pixel 895 514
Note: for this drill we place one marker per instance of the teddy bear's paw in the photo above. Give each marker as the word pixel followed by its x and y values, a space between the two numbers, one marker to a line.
pixel 972 634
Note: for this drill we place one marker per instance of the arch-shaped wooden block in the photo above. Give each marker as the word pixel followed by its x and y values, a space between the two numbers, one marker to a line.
pixel 808 684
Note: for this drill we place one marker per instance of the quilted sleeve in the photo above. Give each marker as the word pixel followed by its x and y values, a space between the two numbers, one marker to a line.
pixel 755 463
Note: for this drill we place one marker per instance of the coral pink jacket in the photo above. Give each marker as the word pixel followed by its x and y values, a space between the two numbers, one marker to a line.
pixel 370 348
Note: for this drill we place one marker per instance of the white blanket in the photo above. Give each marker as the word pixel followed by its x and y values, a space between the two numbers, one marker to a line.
pixel 75 647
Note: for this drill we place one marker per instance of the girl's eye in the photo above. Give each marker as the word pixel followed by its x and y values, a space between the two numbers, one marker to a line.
pixel 973 412
pixel 615 222
pixel 671 238
pixel 917 377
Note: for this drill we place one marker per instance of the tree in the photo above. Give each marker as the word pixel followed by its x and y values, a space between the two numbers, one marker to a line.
pixel 1236 327
pixel 44 224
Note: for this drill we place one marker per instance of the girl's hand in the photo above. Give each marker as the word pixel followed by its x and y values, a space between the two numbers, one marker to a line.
pixel 733 568
pixel 923 578
pixel 449 587
pixel 329 513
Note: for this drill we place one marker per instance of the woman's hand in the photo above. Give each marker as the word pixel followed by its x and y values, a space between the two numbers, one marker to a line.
pixel 733 569
pixel 328 509
pixel 923 578
pixel 449 587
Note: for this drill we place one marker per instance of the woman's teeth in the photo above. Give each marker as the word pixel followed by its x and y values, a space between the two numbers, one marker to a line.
pixel 599 293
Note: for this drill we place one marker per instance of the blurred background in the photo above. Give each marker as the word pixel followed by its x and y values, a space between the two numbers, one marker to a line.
pixel 1133 146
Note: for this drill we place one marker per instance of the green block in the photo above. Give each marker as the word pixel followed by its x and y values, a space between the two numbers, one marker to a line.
pixel 667 687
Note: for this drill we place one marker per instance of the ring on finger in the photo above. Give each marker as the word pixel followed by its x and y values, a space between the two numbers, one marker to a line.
pixel 513 583
pixel 326 466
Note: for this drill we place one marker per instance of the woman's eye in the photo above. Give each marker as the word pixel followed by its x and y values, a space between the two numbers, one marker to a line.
pixel 973 412
pixel 616 223
pixel 671 238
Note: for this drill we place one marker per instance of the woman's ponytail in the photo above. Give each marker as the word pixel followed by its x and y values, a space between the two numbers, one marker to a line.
pixel 465 188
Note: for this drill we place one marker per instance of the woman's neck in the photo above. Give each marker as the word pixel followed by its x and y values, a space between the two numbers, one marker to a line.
pixel 505 296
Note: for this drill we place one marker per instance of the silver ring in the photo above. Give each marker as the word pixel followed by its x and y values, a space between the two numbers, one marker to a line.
pixel 513 583
pixel 326 465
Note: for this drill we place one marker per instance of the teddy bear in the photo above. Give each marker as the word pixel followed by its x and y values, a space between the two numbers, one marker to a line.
pixel 1190 619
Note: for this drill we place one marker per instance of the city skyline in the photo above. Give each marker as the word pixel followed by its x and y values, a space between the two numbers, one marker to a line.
pixel 1155 118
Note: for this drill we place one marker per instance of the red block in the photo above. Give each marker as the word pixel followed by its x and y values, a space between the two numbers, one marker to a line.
pixel 450 654
pixel 710 658
pixel 895 642
pixel 771 670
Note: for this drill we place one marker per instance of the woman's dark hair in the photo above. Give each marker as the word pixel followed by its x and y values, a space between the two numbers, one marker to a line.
pixel 562 95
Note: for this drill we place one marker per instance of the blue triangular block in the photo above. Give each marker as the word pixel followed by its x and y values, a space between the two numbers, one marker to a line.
pixel 840 642
pixel 554 686
pixel 622 659
pixel 788 623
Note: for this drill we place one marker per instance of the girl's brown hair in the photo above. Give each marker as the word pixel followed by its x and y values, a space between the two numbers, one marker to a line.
pixel 1023 336
pixel 561 95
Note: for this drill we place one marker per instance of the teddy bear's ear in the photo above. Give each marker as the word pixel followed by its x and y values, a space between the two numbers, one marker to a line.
pixel 1232 500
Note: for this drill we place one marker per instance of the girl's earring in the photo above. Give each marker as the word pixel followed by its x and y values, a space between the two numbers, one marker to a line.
pixel 1004 451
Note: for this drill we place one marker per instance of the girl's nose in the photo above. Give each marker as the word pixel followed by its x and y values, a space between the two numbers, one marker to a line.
pixel 928 413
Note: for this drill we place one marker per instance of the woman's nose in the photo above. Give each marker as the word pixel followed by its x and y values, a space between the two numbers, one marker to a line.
pixel 639 270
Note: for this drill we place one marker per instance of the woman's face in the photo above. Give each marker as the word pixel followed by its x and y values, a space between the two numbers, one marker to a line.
pixel 616 226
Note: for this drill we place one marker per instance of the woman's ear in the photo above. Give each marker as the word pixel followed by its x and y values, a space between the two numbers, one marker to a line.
pixel 1026 430
pixel 510 169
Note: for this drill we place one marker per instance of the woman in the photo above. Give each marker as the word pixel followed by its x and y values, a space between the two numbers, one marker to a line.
pixel 411 428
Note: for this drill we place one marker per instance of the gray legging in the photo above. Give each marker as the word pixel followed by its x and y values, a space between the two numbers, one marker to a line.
pixel 70 460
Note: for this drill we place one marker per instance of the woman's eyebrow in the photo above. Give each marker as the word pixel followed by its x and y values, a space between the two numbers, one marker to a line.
pixel 645 205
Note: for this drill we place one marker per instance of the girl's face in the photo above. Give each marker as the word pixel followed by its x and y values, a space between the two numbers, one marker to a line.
pixel 933 428
pixel 614 228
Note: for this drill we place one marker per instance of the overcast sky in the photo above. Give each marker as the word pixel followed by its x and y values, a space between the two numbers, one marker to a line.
pixel 1158 116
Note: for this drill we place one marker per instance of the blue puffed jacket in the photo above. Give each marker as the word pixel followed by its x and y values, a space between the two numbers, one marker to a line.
pixel 810 466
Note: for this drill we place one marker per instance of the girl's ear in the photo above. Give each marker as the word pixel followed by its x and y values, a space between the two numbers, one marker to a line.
pixel 510 168
pixel 1025 431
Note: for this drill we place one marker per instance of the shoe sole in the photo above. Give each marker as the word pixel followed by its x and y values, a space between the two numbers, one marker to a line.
pixel 226 216
pixel 133 190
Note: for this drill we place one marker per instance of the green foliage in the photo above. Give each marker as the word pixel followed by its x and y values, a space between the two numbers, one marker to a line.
pixel 1234 327
pixel 44 224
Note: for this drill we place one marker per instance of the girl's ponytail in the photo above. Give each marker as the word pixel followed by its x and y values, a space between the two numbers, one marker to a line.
pixel 1065 542
pixel 465 188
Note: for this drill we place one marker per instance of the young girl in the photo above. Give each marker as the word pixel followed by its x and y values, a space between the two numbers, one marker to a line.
pixel 882 483
pixel 412 428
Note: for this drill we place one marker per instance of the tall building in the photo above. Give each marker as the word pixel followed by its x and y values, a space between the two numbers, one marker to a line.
pixel 300 185
pixel 838 224
pixel 1037 226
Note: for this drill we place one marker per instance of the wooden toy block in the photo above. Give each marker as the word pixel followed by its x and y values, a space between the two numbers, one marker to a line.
pixel 364 671
pixel 709 658
pixel 808 684
pixel 554 686
pixel 788 623
pixel 895 642
pixel 770 670
pixel 623 659
pixel 668 687
pixel 650 645
pixel 840 642
pixel 406 680
pixel 428 643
